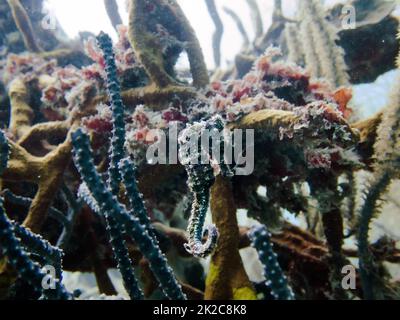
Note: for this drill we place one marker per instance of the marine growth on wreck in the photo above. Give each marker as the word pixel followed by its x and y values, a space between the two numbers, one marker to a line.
pixel 126 173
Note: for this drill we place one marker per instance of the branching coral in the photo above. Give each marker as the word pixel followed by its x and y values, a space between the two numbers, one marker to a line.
pixel 27 202
pixel 19 260
pixel 256 17
pixel 109 206
pixel 24 25
pixel 46 171
pixel 386 169
pixel 117 152
pixel 320 45
pixel 21 112
pixel 116 215
pixel 112 11
pixel 226 277
pixel 82 161
pixel 35 244
pixel 310 54
pixel 219 30
pixel 145 16
pixel 128 172
pixel 117 107
pixel 239 25
pixel 276 280
pixel 294 45
pixel 12 236
pixel 369 278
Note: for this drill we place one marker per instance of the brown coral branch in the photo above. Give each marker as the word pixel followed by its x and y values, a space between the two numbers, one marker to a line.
pixel 50 179
pixel 278 12
pixel 151 284
pixel 226 278
pixel 149 49
pixel 219 30
pixel 239 25
pixel 324 188
pixel 22 166
pixel 191 292
pixel 364 132
pixel 24 25
pixel 368 135
pixel 256 17
pixel 155 97
pixel 113 14
pixel 299 252
pixel 43 131
pixel 21 112
pixel 178 237
pixel 152 96
pixel 271 121
pixel 392 258
pixel 267 119
pixel 103 280
pixel 142 41
pixel 304 244
pixel 45 171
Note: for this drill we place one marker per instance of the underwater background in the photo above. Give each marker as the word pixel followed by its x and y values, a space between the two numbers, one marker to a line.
pixel 89 87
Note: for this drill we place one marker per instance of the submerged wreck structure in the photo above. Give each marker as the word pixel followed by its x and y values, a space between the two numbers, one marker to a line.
pixel 78 119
